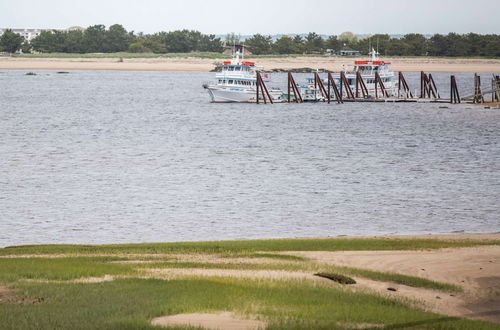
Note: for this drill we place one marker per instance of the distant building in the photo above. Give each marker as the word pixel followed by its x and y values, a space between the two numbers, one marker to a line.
pixel 228 50
pixel 350 53
pixel 28 34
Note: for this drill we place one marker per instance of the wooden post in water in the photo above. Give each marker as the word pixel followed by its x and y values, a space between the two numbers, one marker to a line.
pixel 263 89
pixel 404 85
pixel 495 82
pixel 288 95
pixel 348 90
pixel 454 96
pixel 379 82
pixel 360 84
pixel 432 87
pixel 293 87
pixel 319 83
pixel 422 79
pixel 478 94
pixel 331 83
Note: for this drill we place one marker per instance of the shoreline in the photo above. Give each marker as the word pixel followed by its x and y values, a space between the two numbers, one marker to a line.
pixel 335 64
pixel 437 236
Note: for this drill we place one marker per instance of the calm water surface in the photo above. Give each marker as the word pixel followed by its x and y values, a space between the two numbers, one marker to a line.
pixel 107 157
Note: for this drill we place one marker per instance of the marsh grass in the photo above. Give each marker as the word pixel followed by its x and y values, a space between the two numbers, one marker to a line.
pixel 311 267
pixel 13 269
pixel 132 303
pixel 251 246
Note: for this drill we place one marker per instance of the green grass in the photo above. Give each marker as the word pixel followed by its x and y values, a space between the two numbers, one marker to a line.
pixel 310 267
pixel 252 246
pixel 131 303
pixel 14 269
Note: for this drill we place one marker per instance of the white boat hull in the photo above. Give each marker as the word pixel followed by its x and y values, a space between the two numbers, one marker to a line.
pixel 219 94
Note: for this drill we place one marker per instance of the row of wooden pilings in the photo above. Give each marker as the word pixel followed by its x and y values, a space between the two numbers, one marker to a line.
pixel 428 89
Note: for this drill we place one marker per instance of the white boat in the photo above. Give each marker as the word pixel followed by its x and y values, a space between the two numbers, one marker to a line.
pixel 367 69
pixel 237 82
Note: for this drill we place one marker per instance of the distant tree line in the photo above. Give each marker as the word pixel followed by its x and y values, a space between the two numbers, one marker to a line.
pixel 98 39
pixel 452 44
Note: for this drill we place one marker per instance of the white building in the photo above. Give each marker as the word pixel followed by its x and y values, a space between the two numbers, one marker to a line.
pixel 28 34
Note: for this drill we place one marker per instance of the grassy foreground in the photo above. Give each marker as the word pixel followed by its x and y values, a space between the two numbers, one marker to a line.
pixel 51 286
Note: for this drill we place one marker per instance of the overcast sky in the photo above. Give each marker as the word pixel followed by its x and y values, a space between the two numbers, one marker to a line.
pixel 259 16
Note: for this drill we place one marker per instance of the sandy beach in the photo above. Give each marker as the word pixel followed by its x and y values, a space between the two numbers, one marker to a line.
pixel 283 63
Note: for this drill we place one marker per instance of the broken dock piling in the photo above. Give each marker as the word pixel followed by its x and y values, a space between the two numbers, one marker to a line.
pixel 340 89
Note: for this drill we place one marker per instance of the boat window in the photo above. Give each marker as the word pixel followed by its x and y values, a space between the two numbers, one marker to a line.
pixel 237 68
pixel 230 82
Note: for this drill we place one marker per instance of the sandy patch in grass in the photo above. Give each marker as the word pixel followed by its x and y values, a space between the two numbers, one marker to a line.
pixel 102 279
pixel 460 266
pixel 431 300
pixel 175 273
pixel 475 269
pixel 221 320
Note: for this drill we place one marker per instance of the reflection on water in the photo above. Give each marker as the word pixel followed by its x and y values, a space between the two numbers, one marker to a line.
pixel 95 157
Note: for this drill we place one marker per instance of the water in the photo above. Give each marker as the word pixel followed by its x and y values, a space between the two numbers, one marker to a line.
pixel 108 157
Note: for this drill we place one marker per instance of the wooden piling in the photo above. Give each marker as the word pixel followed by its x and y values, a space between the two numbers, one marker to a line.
pixel 292 86
pixel 403 85
pixel 263 90
pixel 360 84
pixel 344 81
pixel 331 84
pixel 428 86
pixel 379 82
pixel 319 83
pixel 454 95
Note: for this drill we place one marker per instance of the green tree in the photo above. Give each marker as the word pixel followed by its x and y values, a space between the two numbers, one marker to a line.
pixel 94 39
pixel 10 41
pixel 260 44
pixel 152 45
pixel 347 37
pixel 117 39
pixel 333 43
pixel 298 44
pixel 417 44
pixel 179 41
pixel 398 47
pixel 209 43
pixel 380 42
pixel 313 43
pixel 286 45
pixel 136 47
pixel 74 42
pixel 26 47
